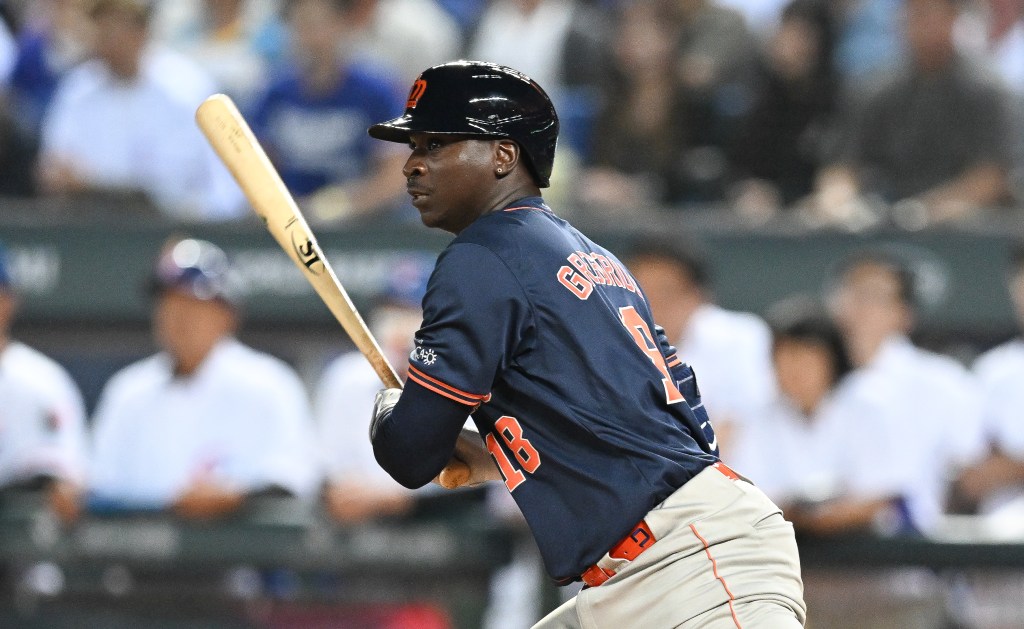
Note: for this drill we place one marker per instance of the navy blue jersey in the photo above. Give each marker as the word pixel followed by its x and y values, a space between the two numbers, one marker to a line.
pixel 548 341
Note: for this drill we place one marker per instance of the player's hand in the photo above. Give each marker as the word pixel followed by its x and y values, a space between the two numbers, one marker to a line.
pixel 382 407
pixel 205 499
pixel 471 464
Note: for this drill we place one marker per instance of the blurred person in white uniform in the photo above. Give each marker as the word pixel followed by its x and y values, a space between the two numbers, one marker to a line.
pixel 996 484
pixel 122 124
pixel 207 421
pixel 821 449
pixel 827 450
pixel 357 488
pixel 729 351
pixel 935 401
pixel 42 416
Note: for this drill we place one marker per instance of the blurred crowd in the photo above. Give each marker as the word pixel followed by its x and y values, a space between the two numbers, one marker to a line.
pixel 849 112
pixel 852 113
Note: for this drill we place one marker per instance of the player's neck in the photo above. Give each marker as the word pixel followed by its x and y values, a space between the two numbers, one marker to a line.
pixel 505 198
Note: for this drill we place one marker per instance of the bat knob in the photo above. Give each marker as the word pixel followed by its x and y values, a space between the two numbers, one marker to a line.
pixel 454 475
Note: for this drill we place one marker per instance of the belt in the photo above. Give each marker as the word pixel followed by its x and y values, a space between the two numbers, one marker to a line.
pixel 633 545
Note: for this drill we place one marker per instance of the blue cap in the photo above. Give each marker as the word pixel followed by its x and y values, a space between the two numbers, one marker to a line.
pixel 5 272
pixel 197 267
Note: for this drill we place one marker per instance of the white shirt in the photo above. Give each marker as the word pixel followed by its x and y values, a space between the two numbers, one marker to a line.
pixel 731 354
pixel 8 53
pixel 409 36
pixel 242 420
pixel 531 43
pixel 343 402
pixel 1000 372
pixel 142 135
pixel 843 450
pixel 937 407
pixel 236 59
pixel 42 418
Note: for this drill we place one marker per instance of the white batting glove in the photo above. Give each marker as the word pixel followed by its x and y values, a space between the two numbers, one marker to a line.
pixel 382 406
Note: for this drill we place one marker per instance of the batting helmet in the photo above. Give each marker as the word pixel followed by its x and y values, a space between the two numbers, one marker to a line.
pixel 483 99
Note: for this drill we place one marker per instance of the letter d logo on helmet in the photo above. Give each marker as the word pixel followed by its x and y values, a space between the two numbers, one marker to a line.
pixel 482 99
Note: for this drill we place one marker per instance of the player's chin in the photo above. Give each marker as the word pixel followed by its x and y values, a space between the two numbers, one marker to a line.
pixel 428 215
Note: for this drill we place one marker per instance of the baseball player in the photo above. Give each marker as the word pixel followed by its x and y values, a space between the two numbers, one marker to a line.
pixel 208 421
pixel 42 416
pixel 547 341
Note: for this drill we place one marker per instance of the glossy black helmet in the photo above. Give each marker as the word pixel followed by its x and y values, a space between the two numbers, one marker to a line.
pixel 485 99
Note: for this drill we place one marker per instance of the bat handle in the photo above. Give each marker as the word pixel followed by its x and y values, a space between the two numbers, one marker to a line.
pixel 454 475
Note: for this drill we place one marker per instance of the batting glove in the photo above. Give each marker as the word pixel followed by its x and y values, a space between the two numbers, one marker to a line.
pixel 382 406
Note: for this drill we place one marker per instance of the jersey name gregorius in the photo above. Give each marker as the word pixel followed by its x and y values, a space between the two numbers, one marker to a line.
pixel 548 341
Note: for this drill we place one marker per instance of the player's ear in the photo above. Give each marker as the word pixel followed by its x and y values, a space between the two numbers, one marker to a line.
pixel 506 157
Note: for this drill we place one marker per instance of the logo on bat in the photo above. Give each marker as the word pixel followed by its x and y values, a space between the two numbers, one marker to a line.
pixel 307 253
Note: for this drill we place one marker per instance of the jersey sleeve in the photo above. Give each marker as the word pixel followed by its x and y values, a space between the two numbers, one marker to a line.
pixel 474 325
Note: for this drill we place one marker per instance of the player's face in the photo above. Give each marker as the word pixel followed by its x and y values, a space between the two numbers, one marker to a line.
pixel 187 328
pixel 867 303
pixel 450 179
pixel 804 371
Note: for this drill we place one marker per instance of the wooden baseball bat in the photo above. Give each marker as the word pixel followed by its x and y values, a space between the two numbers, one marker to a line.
pixel 233 140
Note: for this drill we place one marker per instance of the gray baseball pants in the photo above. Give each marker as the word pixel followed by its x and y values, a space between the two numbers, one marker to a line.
pixel 724 558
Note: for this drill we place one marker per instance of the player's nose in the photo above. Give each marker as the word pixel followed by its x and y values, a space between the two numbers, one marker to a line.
pixel 413 166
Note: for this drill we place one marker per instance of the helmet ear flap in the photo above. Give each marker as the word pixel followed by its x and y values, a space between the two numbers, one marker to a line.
pixel 485 99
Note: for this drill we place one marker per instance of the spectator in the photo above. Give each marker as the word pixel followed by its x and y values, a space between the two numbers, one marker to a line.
pixel 407 35
pixel 357 488
pixel 792 122
pixel 52 38
pixel 818 448
pixel 729 351
pixel 207 421
pixel 996 484
pixel 934 400
pixel 1005 51
pixel 934 142
pixel 762 16
pixel 639 135
pixel 8 51
pixel 562 45
pixel 123 123
pixel 678 87
pixel 42 416
pixel 236 41
pixel 313 119
pixel 55 36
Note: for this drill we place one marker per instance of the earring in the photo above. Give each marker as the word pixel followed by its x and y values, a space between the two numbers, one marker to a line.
pixel 500 170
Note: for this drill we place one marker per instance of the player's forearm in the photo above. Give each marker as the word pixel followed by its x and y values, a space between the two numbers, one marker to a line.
pixel 416 439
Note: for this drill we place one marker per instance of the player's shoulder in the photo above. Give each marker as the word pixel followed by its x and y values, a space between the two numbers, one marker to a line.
pixel 83 81
pixel 236 357
pixel 136 381
pixel 941 365
pixel 731 326
pixel 37 370
pixel 1001 362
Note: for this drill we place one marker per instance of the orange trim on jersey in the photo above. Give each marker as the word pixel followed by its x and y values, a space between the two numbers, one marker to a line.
pixel 673 361
pixel 437 386
pixel 527 207
pixel 714 569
